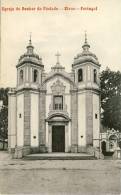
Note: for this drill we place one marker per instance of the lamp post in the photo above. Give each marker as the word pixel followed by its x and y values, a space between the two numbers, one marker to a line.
pixel 3 122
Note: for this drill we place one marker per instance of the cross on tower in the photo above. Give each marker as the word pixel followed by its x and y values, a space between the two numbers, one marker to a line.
pixel 86 46
pixel 30 41
pixel 58 55
pixel 85 36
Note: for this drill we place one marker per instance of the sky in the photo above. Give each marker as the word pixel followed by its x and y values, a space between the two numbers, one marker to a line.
pixel 60 30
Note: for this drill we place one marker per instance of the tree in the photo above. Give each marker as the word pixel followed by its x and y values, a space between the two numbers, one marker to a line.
pixel 111 98
pixel 4 115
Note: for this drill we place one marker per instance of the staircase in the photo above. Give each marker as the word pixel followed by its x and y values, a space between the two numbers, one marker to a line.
pixel 59 156
pixel 108 155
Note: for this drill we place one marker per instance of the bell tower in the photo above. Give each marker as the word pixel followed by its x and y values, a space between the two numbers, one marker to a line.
pixel 29 76
pixel 29 69
pixel 86 69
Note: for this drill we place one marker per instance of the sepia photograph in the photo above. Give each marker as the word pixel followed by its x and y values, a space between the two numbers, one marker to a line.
pixel 60 97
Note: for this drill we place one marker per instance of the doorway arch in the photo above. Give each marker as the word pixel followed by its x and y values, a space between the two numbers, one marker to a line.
pixel 58 129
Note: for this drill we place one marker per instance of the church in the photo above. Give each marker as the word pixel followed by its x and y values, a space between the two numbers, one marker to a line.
pixel 56 111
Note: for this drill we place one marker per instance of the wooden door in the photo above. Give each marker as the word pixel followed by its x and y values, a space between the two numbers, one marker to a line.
pixel 58 139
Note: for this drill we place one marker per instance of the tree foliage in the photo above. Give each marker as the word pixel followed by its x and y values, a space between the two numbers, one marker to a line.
pixel 4 114
pixel 111 98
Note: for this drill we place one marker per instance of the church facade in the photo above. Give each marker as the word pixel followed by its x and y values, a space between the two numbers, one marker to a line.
pixel 55 111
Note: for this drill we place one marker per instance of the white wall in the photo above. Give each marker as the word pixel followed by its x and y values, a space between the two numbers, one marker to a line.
pixel 68 103
pixel 96 122
pixel 81 119
pixel 48 102
pixel 34 120
pixel 20 121
pixel 12 121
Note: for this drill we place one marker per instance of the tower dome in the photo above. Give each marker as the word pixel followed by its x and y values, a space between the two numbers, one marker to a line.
pixel 85 55
pixel 30 56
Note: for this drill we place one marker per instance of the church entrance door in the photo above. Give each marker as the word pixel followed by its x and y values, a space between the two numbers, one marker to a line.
pixel 58 139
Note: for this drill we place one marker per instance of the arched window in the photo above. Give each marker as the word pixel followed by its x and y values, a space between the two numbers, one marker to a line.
pixel 95 76
pixel 35 76
pixel 80 75
pixel 21 76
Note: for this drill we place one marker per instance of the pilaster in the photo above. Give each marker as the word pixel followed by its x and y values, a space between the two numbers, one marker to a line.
pixel 42 132
pixel 27 118
pixel 11 119
pixel 74 116
pixel 89 118
pixel 49 138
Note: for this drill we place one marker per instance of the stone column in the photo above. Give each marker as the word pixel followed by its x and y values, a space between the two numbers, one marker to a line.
pixel 42 131
pixel 74 116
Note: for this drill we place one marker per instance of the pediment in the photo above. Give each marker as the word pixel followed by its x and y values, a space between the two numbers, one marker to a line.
pixel 62 75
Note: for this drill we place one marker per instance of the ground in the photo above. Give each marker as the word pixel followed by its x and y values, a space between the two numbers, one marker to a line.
pixel 90 177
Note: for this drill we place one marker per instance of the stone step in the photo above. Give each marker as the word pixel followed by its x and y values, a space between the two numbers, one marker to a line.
pixel 71 156
pixel 108 155
pixel 108 158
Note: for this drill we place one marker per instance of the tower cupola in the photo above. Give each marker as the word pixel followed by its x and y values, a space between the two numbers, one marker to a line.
pixel 86 67
pixel 30 56
pixel 86 55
